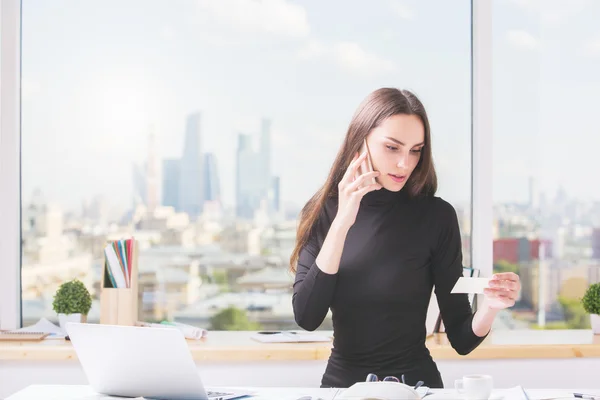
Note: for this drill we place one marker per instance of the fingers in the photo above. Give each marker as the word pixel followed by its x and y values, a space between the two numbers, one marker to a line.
pixel 351 170
pixel 366 189
pixel 508 276
pixel 501 293
pixel 360 180
pixel 503 289
pixel 505 284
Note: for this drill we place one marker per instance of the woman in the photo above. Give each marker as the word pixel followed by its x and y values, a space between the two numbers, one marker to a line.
pixel 372 252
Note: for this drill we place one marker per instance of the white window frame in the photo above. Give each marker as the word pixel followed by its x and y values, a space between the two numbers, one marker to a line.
pixel 482 206
pixel 10 152
pixel 10 164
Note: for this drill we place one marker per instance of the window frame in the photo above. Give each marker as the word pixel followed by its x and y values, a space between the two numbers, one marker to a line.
pixel 10 152
pixel 10 164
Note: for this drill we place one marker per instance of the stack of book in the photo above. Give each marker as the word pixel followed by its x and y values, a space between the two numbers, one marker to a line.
pixel 119 259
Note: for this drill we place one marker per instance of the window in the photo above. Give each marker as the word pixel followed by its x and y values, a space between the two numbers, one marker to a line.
pixel 187 127
pixel 547 212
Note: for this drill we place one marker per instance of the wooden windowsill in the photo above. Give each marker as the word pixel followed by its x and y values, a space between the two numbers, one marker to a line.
pixel 238 346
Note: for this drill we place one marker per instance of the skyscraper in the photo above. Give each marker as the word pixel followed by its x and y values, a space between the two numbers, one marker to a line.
pixel 170 193
pixel 152 196
pixel 596 243
pixel 265 153
pixel 275 195
pixel 253 172
pixel 191 179
pixel 212 187
pixel 248 182
pixel 139 185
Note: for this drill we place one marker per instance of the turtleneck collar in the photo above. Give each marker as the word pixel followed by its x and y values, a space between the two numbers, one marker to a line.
pixel 384 197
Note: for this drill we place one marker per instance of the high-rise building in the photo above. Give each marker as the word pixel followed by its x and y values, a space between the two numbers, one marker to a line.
pixel 191 178
pixel 248 182
pixel 264 154
pixel 139 185
pixel 152 196
pixel 534 200
pixel 212 187
pixel 596 243
pixel 275 195
pixel 170 185
pixel 254 182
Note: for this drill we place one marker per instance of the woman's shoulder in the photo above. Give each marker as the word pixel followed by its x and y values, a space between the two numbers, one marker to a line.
pixel 439 208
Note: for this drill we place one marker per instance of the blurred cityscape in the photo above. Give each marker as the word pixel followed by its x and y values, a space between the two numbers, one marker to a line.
pixel 220 267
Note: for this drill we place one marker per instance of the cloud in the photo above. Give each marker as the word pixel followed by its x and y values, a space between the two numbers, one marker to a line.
pixel 352 57
pixel 553 11
pixel 403 10
pixel 312 49
pixel 253 16
pixel 522 39
pixel 349 56
pixel 592 48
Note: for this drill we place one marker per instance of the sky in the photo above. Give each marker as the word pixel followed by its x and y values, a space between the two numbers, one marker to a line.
pixel 98 76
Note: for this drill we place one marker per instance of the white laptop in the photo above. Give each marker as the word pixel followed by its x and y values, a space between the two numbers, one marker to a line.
pixel 133 361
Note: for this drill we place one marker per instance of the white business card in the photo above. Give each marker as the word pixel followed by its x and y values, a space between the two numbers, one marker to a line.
pixel 470 285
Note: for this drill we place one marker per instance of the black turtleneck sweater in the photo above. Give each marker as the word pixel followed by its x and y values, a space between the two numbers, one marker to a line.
pixel 398 249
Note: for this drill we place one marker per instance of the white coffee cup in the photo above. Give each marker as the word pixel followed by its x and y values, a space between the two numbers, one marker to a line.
pixel 475 387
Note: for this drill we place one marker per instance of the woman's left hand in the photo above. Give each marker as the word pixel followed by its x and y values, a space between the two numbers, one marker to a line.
pixel 503 290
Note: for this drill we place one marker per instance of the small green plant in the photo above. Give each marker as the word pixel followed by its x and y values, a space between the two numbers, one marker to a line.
pixel 72 298
pixel 591 299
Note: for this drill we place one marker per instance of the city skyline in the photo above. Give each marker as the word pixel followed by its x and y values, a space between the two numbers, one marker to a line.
pixel 306 77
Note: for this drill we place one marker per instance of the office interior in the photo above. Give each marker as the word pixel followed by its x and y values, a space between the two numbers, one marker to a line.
pixel 186 136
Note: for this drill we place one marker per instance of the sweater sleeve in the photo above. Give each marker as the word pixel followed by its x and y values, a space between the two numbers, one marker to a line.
pixel 313 288
pixel 447 265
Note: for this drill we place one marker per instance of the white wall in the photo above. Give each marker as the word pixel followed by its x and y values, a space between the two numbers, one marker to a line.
pixel 538 373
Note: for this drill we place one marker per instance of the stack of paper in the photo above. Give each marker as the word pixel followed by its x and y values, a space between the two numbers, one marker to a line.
pixel 289 337
pixel 189 331
pixel 119 260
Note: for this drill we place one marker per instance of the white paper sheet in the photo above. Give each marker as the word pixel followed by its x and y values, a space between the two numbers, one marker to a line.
pixel 470 285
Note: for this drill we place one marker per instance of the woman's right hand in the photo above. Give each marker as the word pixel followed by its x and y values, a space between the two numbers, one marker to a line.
pixel 351 190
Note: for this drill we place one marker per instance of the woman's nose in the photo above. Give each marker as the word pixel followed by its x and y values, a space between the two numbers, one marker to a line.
pixel 401 162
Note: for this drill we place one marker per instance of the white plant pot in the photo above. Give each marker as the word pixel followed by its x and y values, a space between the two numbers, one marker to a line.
pixel 64 318
pixel 595 320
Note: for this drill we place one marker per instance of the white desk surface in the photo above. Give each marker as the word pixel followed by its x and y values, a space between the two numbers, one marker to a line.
pixel 84 392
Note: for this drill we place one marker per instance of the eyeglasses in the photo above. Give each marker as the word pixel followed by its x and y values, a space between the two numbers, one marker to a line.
pixel 374 378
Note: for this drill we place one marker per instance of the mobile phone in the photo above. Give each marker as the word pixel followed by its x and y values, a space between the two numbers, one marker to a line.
pixel 366 165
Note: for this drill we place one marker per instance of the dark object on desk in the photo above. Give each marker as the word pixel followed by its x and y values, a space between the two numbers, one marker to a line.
pixel 309 398
pixel 587 396
pixel 67 338
pixel 268 332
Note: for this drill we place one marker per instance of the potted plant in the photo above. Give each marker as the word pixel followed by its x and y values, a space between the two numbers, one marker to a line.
pixel 72 302
pixel 591 305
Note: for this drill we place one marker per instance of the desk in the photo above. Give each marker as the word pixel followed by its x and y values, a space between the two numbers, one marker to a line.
pixel 238 346
pixel 565 358
pixel 80 392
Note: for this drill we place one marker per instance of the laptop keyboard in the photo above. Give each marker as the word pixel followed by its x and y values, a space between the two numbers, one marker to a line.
pixel 216 395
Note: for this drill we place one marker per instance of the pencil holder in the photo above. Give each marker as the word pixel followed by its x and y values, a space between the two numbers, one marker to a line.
pixel 119 295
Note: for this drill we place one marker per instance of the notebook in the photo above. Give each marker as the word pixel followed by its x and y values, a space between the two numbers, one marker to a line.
pixel 22 336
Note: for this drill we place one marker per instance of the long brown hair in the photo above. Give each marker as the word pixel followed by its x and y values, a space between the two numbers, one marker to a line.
pixel 374 109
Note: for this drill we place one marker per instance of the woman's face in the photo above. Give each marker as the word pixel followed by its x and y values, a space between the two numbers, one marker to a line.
pixel 395 149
